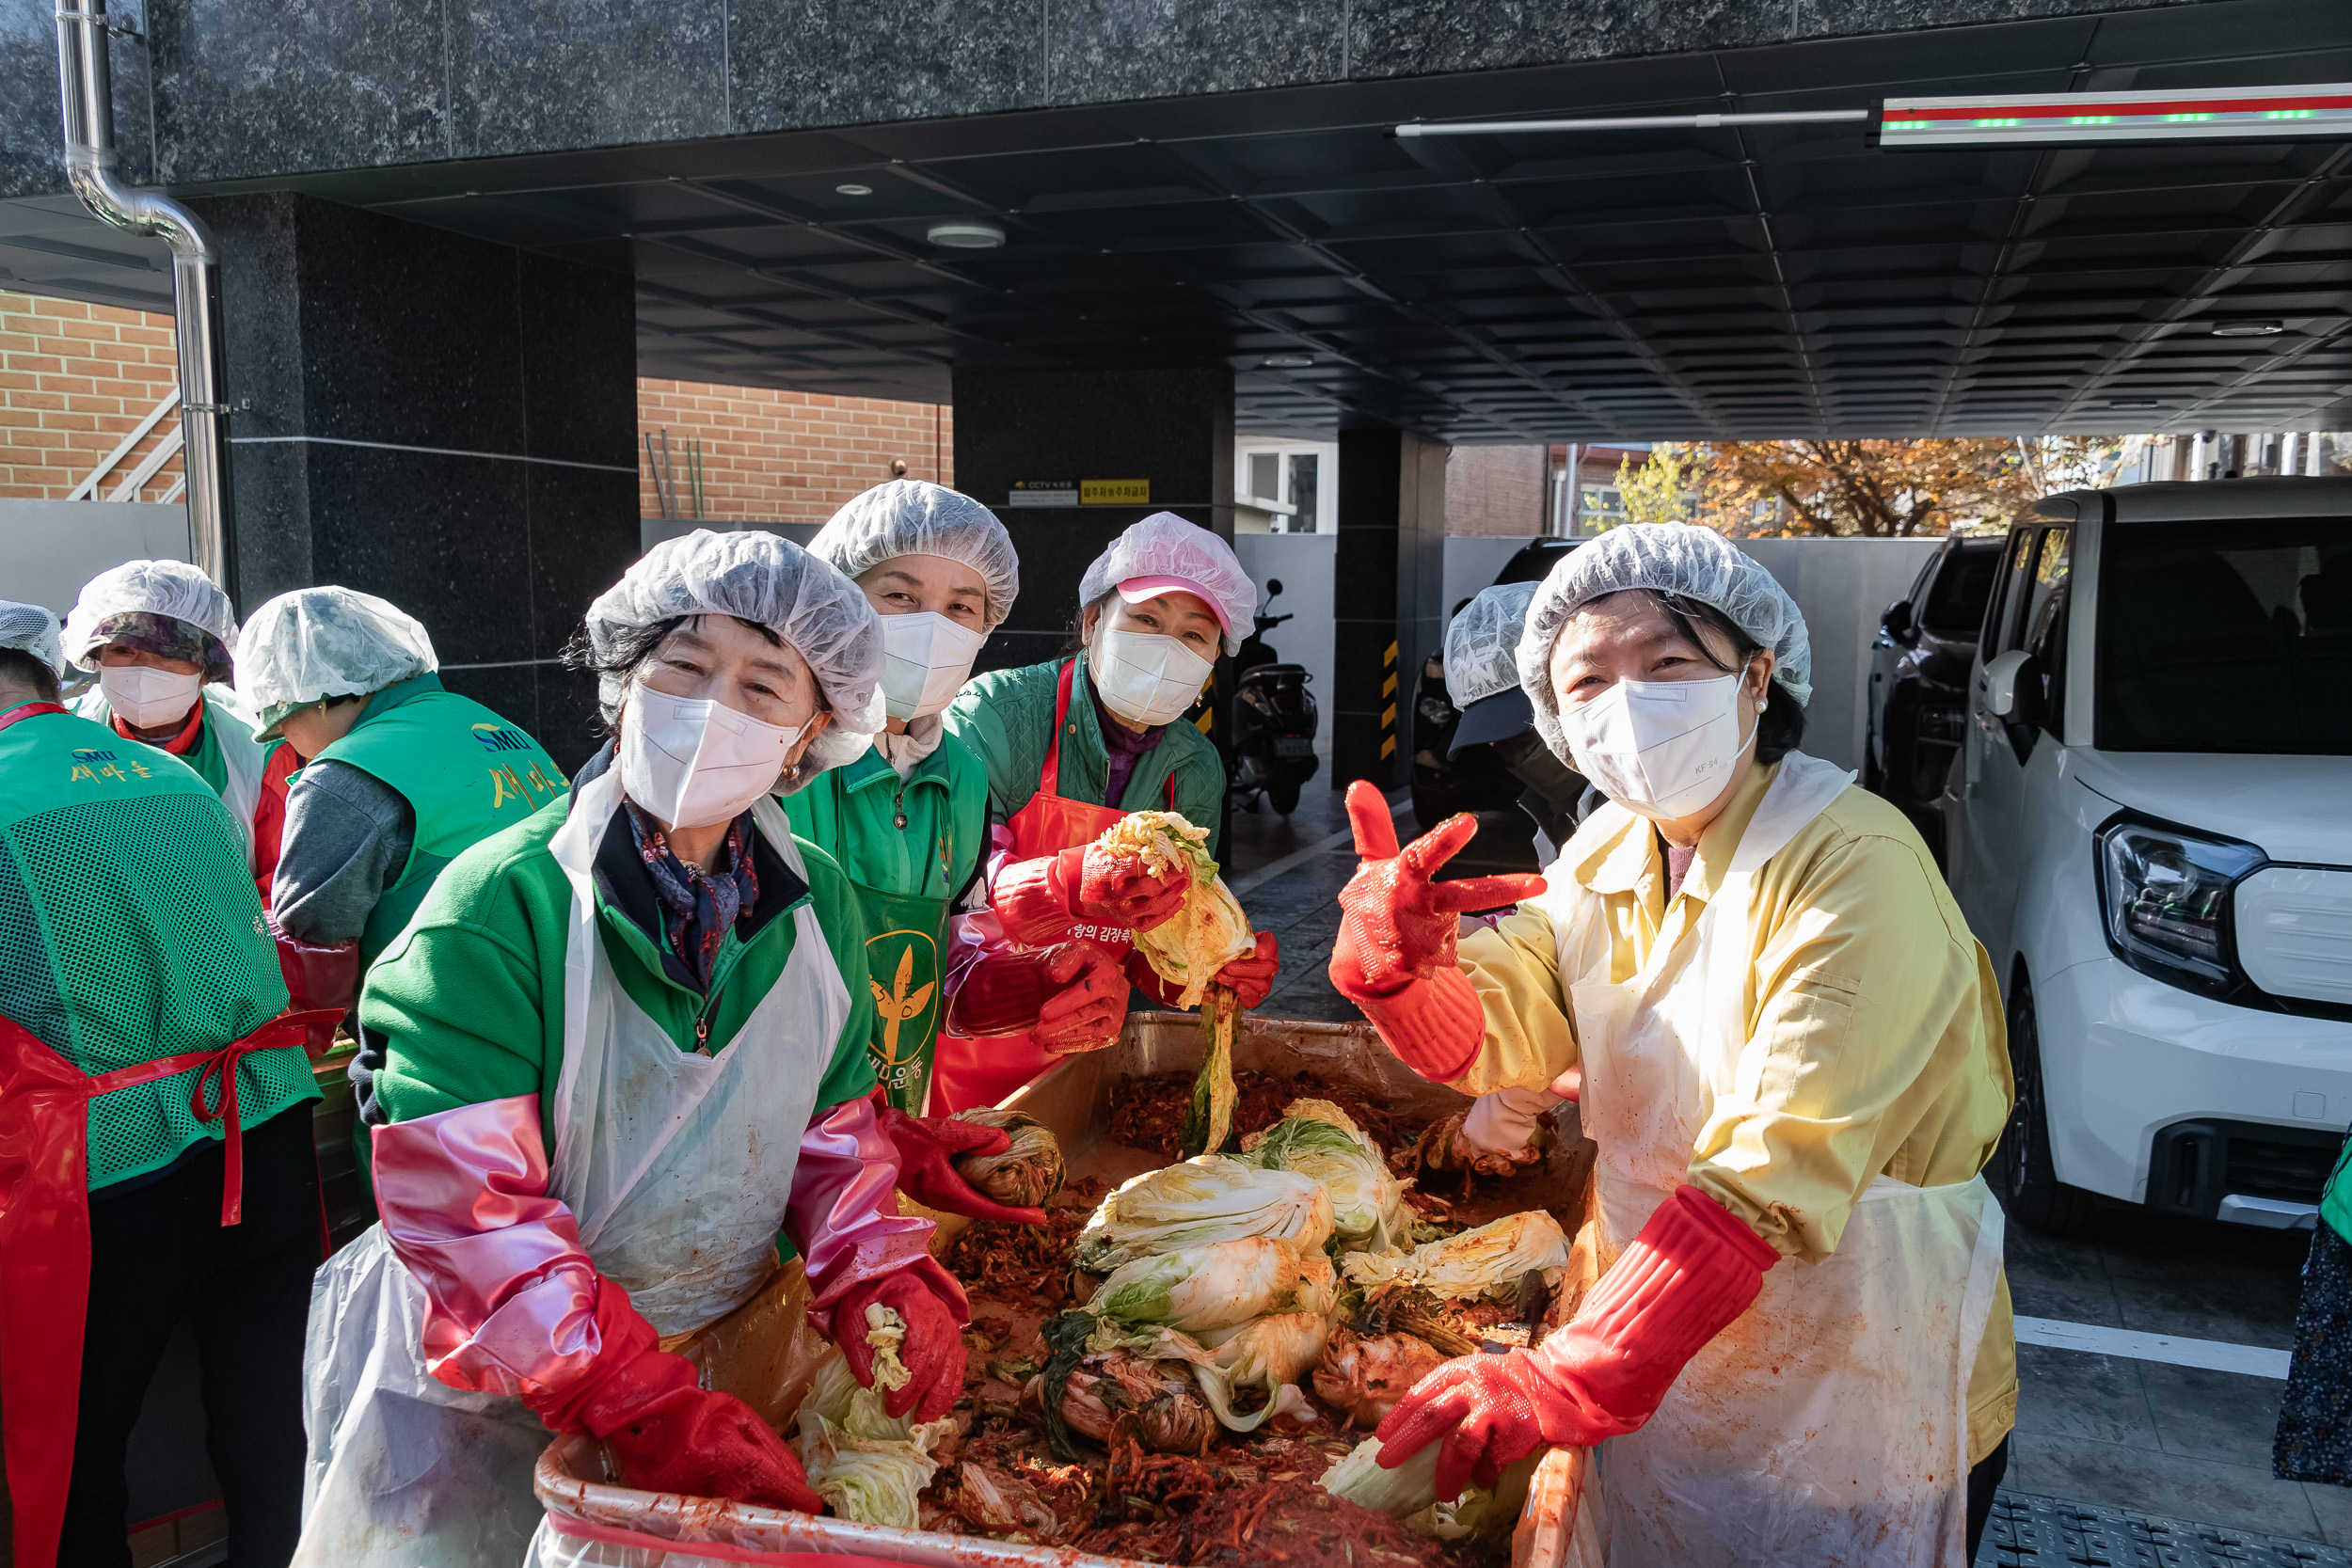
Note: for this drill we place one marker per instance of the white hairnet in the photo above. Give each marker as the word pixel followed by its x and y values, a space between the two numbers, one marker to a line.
pixel 1164 544
pixel 772 582
pixel 314 644
pixel 1666 558
pixel 913 517
pixel 1482 644
pixel 29 629
pixel 171 588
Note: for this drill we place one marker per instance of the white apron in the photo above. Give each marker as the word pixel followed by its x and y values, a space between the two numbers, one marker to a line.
pixel 678 1167
pixel 1829 1425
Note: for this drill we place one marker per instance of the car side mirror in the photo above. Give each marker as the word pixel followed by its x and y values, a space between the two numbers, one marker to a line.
pixel 2011 687
pixel 1897 622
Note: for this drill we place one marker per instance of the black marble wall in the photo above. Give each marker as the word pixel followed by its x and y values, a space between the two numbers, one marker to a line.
pixel 446 423
pixel 1172 426
pixel 1389 586
pixel 230 90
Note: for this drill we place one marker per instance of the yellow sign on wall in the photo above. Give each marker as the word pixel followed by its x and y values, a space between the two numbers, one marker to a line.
pixel 1114 492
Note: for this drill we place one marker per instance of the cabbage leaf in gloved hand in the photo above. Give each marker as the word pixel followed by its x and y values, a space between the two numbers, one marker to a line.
pixel 867 1466
pixel 1409 1493
pixel 1212 1199
pixel 1318 1139
pixel 1209 931
pixel 1027 1174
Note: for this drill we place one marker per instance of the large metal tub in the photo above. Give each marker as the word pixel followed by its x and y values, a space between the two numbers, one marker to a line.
pixel 594 1519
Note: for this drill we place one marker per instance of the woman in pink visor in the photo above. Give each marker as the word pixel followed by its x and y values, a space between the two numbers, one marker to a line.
pixel 1042 967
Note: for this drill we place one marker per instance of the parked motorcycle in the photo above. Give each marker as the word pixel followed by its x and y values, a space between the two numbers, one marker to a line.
pixel 1273 730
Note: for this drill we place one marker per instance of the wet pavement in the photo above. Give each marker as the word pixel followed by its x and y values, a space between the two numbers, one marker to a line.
pixel 2115 1458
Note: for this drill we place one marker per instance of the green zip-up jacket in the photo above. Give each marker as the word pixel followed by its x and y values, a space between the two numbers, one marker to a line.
pixel 851 812
pixel 1006 716
pixel 469 996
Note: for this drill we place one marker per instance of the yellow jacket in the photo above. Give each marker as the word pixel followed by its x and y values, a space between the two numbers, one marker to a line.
pixel 1874 1026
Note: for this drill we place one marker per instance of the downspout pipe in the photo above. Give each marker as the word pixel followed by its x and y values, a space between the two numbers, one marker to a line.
pixel 85 100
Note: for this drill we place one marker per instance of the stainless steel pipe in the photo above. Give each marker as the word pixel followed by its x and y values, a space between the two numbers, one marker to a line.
pixel 86 104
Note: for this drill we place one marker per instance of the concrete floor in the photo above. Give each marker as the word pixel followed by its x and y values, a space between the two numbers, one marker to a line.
pixel 2104 1431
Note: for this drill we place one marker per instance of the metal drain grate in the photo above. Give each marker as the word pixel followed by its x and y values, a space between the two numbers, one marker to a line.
pixel 2044 1532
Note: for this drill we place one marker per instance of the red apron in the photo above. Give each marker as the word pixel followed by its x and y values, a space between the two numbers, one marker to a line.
pixel 968 1072
pixel 44 1237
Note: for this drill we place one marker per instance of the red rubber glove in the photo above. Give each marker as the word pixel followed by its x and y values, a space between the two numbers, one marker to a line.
pixel 933 1349
pixel 1036 900
pixel 1693 1269
pixel 669 1433
pixel 1394 954
pixel 928 1147
pixel 318 978
pixel 1071 996
pixel 1249 978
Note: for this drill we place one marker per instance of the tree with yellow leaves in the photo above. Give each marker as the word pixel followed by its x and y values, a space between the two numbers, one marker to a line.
pixel 1891 488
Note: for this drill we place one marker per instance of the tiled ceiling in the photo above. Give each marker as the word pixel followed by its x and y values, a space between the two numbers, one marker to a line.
pixel 1524 287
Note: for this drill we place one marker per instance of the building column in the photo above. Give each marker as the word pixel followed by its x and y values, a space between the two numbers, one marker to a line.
pixel 1172 429
pixel 1389 584
pixel 443 423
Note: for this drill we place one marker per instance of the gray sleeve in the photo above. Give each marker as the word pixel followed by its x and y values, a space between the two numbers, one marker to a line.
pixel 347 836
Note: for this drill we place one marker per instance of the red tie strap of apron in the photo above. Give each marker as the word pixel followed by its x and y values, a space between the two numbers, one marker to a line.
pixel 30 710
pixel 218 1077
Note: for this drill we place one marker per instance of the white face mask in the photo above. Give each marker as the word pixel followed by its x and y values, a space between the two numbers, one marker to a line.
pixel 1661 748
pixel 693 761
pixel 926 657
pixel 1146 678
pixel 146 698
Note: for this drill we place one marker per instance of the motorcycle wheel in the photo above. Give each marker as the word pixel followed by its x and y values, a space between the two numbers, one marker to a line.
pixel 1282 795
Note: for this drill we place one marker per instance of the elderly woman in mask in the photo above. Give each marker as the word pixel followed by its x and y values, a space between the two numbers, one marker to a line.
pixel 622 1061
pixel 908 819
pixel 1070 746
pixel 160 636
pixel 1788 1049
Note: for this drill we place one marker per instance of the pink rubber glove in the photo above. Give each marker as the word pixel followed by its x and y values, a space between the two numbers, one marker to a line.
pixel 1250 978
pixel 1394 954
pixel 318 977
pixel 928 1146
pixel 1693 1269
pixel 933 1351
pixel 668 1434
pixel 1037 900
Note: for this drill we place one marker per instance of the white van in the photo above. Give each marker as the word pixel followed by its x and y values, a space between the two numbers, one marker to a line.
pixel 2149 828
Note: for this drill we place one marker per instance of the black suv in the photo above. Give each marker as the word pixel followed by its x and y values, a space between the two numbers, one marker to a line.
pixel 1919 677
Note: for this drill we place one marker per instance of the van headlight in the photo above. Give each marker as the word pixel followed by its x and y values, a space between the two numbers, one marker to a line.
pixel 2165 893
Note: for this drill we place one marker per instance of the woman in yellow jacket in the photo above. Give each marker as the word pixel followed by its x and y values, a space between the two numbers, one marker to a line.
pixel 1788 1049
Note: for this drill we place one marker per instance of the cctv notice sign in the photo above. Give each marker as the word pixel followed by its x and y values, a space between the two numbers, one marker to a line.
pixel 1080 492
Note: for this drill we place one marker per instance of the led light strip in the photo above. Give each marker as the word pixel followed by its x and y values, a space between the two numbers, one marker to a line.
pixel 2255 114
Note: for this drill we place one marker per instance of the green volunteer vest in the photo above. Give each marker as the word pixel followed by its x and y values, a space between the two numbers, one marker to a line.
pixel 130 930
pixel 2335 1202
pixel 463 770
pixel 908 848
pixel 206 755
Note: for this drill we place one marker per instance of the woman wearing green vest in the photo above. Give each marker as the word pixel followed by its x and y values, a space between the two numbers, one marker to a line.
pixel 156 1160
pixel 1070 746
pixel 908 821
pixel 158 633
pixel 621 1067
pixel 399 776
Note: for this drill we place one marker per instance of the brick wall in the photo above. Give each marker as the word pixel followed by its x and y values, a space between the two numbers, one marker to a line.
pixel 786 457
pixel 74 379
pixel 1495 490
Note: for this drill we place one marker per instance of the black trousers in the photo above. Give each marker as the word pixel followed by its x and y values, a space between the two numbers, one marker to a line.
pixel 1982 1479
pixel 158 1252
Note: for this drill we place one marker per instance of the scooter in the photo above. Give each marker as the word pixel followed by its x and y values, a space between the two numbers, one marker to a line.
pixel 1272 747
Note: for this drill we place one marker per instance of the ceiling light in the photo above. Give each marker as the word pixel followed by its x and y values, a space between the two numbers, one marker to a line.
pixel 854 189
pixel 2248 329
pixel 965 234
pixel 1285 362
pixel 2179 114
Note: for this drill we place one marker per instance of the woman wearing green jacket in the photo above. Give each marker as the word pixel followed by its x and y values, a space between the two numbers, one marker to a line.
pixel 1070 746
pixel 622 1069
